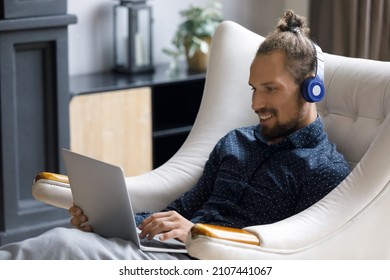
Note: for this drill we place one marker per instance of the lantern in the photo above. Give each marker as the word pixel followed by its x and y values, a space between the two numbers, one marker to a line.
pixel 133 37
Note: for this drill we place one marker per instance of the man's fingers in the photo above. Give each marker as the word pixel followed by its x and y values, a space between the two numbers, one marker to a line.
pixel 168 235
pixel 75 211
pixel 86 228
pixel 155 217
pixel 156 227
pixel 169 224
pixel 77 221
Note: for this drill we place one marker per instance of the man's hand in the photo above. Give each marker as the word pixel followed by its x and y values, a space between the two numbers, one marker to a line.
pixel 79 220
pixel 170 224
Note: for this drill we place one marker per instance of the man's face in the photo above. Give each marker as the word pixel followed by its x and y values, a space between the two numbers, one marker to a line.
pixel 276 98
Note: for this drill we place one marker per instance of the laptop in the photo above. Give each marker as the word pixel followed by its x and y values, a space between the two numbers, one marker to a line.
pixel 100 190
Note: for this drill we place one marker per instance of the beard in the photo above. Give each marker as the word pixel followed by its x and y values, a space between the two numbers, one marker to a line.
pixel 282 130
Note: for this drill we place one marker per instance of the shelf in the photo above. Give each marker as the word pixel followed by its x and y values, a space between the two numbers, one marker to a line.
pixel 109 81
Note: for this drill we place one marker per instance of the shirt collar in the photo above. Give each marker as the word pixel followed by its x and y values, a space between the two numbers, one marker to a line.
pixel 309 135
pixel 305 137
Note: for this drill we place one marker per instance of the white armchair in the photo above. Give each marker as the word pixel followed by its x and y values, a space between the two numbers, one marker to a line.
pixel 351 222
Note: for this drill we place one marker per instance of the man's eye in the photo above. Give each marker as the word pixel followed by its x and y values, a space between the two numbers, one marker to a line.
pixel 270 89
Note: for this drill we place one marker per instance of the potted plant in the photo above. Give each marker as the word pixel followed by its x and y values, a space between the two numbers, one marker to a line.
pixel 193 36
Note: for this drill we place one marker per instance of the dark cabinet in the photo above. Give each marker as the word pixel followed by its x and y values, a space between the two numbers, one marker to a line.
pixel 175 106
pixel 34 91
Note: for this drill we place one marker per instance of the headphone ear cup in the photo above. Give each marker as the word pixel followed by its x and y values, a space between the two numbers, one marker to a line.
pixel 312 89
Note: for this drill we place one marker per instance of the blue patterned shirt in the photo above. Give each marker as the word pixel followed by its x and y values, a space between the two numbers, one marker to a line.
pixel 248 182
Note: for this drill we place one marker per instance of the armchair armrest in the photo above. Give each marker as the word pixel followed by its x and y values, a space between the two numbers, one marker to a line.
pixel 218 242
pixel 53 189
pixel 52 176
pixel 226 233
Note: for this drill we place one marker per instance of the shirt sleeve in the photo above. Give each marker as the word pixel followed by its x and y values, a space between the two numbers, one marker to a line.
pixel 193 200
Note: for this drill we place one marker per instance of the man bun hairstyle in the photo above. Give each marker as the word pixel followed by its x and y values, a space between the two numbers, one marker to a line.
pixel 292 36
pixel 291 22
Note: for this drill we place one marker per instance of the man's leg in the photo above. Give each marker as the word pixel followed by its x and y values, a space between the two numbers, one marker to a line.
pixel 63 243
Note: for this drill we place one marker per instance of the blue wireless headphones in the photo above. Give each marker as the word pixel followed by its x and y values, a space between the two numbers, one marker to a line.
pixel 312 88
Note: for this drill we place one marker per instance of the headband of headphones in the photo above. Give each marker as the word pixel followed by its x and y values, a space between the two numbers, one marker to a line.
pixel 312 88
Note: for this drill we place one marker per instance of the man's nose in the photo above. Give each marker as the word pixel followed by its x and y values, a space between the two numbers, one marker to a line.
pixel 258 101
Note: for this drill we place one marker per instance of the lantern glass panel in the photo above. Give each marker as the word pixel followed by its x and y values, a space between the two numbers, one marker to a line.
pixel 121 37
pixel 142 38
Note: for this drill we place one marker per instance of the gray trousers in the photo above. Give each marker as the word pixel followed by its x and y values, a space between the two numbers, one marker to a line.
pixel 73 244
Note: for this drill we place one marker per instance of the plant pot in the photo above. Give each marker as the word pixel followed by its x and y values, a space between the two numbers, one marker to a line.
pixel 199 61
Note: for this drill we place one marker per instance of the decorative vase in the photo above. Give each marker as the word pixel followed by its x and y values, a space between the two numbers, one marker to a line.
pixel 198 62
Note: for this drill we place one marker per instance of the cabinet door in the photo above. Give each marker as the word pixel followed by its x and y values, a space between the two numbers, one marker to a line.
pixel 115 127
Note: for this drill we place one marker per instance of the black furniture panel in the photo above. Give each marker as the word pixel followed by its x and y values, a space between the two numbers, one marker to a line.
pixel 34 93
pixel 175 106
pixel 26 8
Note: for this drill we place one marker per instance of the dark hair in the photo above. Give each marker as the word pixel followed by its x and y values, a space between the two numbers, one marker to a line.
pixel 292 36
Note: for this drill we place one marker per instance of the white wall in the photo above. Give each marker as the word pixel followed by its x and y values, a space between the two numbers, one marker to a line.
pixel 90 40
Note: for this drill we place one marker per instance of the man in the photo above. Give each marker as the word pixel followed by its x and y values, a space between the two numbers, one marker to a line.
pixel 255 175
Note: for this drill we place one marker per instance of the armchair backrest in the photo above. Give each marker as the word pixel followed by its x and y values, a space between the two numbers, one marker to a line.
pixel 357 103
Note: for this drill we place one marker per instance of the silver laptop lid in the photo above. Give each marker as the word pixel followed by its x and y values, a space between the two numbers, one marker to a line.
pixel 100 190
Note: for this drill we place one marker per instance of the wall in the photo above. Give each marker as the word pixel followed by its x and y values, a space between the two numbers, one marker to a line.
pixel 90 40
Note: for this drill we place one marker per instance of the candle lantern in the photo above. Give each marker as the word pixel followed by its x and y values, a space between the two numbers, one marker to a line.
pixel 133 37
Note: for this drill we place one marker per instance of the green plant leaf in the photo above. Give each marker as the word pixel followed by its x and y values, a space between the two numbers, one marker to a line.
pixel 197 22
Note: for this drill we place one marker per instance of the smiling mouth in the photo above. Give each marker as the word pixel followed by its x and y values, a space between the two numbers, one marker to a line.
pixel 264 117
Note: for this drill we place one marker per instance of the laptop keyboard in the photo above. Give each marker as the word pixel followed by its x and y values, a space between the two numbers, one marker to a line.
pixel 171 244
